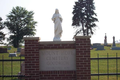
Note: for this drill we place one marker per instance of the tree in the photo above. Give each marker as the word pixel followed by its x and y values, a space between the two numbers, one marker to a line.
pixel 20 22
pixel 84 15
pixel 2 35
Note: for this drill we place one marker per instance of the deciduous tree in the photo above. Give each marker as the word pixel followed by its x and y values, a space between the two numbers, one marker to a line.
pixel 2 35
pixel 20 23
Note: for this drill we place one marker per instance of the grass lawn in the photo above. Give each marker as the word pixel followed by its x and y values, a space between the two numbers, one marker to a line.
pixel 7 64
pixel 94 64
pixel 103 63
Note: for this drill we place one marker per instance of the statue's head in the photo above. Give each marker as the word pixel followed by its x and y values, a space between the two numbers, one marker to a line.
pixel 56 11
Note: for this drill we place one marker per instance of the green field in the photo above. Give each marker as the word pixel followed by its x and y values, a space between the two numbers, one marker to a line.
pixel 103 63
pixel 7 64
pixel 94 64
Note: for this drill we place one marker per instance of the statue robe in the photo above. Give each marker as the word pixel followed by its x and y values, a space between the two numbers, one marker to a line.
pixel 57 19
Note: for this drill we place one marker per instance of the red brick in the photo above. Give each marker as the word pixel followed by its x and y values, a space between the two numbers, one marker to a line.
pixel 57 78
pixel 82 47
pixel 57 45
pixel 54 75
pixel 26 71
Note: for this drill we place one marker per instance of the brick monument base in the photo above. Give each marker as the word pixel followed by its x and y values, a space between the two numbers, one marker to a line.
pixel 57 60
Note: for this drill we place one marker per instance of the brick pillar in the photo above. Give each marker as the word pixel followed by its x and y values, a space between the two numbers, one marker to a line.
pixel 83 57
pixel 32 58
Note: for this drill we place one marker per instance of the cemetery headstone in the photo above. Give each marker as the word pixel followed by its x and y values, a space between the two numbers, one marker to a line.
pixel 8 48
pixel 114 41
pixel 22 52
pixel 12 54
pixel 100 47
pixel 3 50
pixel 105 40
pixel 18 50
pixel 115 48
pixel 95 45
pixel 114 45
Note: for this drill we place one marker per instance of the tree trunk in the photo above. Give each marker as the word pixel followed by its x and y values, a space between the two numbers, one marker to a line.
pixel 87 31
pixel 83 29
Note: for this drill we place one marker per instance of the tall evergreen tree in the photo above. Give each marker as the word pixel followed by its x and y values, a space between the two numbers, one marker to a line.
pixel 20 22
pixel 84 15
pixel 2 35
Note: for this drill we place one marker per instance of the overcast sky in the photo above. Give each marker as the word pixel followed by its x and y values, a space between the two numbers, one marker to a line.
pixel 108 12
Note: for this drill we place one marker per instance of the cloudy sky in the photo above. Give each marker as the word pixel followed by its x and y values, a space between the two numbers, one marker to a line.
pixel 107 10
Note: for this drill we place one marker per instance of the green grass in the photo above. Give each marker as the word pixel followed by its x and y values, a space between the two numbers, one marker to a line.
pixel 94 63
pixel 7 64
pixel 103 63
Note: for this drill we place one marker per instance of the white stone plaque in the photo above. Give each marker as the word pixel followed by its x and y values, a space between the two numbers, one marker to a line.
pixel 57 59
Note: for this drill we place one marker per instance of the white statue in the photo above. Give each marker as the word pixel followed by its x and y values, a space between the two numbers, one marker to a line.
pixel 57 19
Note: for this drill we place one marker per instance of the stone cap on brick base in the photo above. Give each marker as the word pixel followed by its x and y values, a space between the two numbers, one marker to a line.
pixel 57 42
pixel 31 38
pixel 81 37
